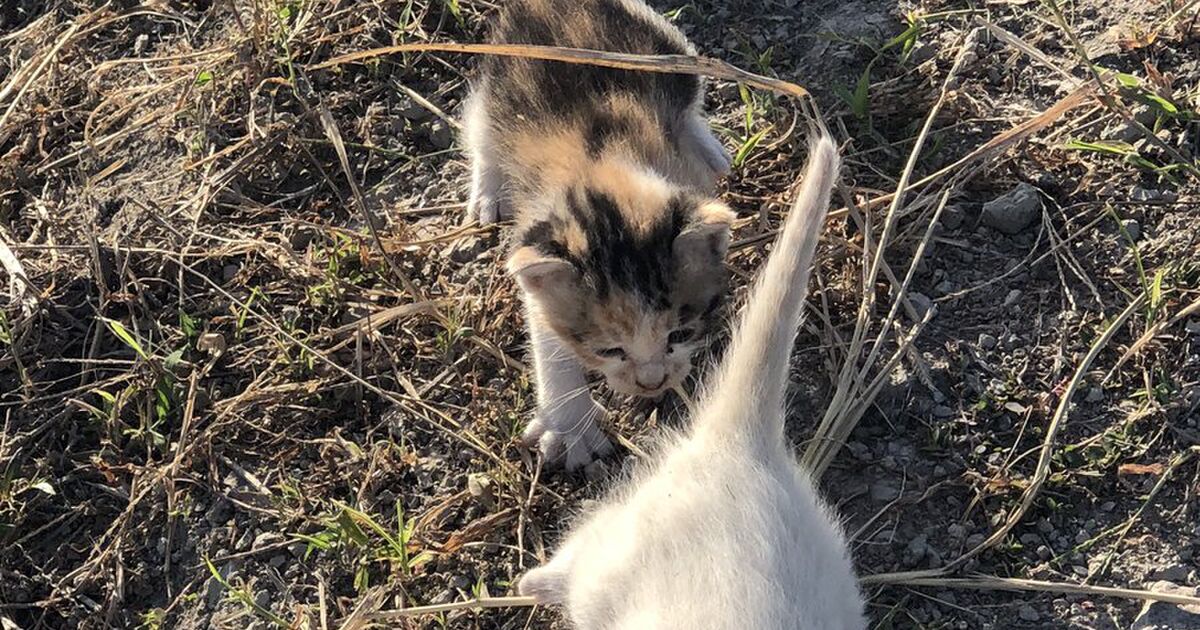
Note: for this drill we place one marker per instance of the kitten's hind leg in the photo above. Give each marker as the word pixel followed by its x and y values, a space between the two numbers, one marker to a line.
pixel 488 181
pixel 566 426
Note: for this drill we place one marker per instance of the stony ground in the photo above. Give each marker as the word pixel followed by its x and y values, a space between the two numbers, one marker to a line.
pixel 227 402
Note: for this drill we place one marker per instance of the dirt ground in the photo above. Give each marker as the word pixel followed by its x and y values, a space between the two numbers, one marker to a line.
pixel 255 371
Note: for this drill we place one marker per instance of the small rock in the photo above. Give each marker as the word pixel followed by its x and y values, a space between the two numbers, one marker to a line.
pixel 1043 552
pixel 1167 616
pixel 860 451
pixel 944 287
pixel 278 561
pixel 1132 228
pixel 229 271
pixel 922 52
pixel 460 582
pixel 987 342
pixel 1012 298
pixel 974 540
pixel 465 249
pixel 1013 211
pixel 1094 395
pixel 445 596
pixel 220 512
pixel 264 539
pixel 482 488
pixel 921 303
pixel 918 546
pixel 410 109
pixel 1177 573
pixel 1150 195
pixel 439 134
pixel 942 411
pixel 1027 613
pixel 956 531
pixel 262 599
pixel 211 343
pixel 884 491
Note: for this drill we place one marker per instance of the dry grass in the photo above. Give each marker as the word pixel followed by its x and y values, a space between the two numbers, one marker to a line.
pixel 255 372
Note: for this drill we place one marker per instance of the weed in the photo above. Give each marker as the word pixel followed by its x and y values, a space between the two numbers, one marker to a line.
pixel 354 529
pixel 245 597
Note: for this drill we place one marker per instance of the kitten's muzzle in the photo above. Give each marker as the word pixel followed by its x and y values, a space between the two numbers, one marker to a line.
pixel 650 389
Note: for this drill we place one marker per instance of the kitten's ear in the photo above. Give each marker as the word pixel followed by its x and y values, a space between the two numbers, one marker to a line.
pixel 705 242
pixel 540 274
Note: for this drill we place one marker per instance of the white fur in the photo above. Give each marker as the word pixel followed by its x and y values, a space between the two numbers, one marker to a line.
pixel 567 422
pixel 725 531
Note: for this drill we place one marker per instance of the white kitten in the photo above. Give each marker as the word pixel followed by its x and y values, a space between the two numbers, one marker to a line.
pixel 724 530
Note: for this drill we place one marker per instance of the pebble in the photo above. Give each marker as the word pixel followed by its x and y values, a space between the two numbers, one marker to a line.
pixel 952 217
pixel 1013 211
pixel 439 134
pixel 987 342
pixel 263 600
pixel 1044 552
pixel 1177 573
pixel 1133 229
pixel 1095 394
pixel 465 249
pixel 918 547
pixel 1167 616
pixel 410 109
pixel 921 303
pixel 445 596
pixel 884 491
pixel 1147 194
pixel 922 52
pixel 942 411
pixel 1012 298
pixel 1027 613
pixel 956 531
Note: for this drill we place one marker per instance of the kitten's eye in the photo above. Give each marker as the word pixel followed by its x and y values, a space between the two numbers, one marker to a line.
pixel 611 353
pixel 681 335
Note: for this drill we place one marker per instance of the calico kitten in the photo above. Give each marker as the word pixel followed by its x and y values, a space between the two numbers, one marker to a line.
pixel 619 249
pixel 724 531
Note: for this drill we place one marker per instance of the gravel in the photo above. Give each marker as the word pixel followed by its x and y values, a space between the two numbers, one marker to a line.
pixel 1013 211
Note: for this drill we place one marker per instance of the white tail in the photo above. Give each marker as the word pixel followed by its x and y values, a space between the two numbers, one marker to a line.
pixel 745 396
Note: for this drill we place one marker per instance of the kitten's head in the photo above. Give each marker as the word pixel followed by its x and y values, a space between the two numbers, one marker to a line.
pixel 628 276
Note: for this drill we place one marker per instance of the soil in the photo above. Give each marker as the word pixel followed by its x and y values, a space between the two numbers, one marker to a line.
pixel 230 399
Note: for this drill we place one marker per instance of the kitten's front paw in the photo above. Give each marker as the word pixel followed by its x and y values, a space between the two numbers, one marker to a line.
pixel 570 435
pixel 487 209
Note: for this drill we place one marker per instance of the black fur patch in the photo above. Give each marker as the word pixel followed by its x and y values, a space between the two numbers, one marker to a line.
pixel 602 128
pixel 548 89
pixel 617 258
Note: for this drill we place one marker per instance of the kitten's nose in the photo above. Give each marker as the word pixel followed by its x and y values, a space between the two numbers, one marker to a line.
pixel 651 379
